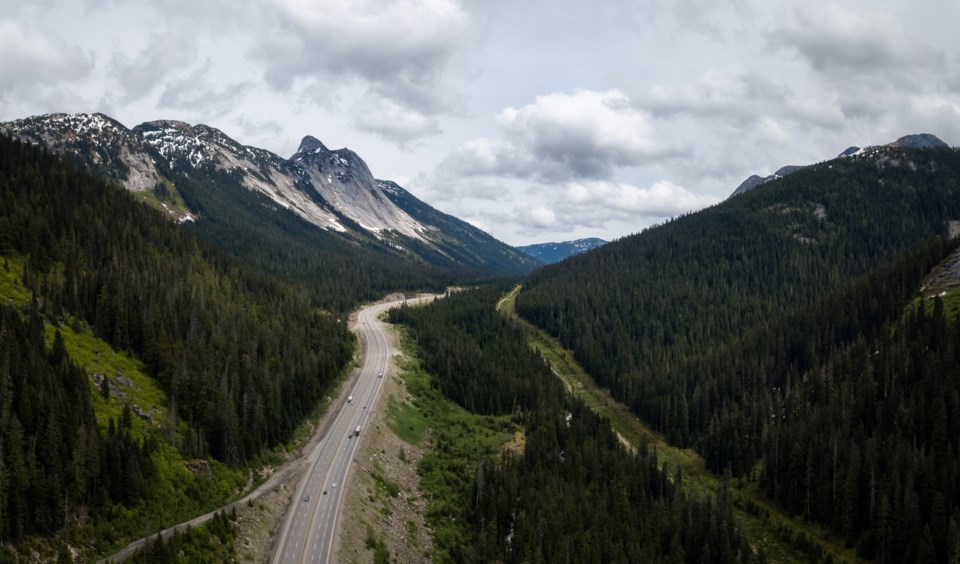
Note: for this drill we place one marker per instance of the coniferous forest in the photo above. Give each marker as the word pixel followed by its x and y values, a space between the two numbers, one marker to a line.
pixel 778 334
pixel 242 356
pixel 783 334
pixel 574 494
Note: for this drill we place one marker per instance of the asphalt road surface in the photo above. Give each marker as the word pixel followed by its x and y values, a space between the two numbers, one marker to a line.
pixel 307 534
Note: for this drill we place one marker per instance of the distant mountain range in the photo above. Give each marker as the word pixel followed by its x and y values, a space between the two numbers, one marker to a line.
pixel 916 141
pixel 556 252
pixel 333 190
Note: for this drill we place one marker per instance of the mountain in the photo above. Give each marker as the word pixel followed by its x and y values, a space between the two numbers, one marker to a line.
pixel 556 252
pixel 753 181
pixel 916 141
pixel 784 336
pixel 334 190
pixel 143 371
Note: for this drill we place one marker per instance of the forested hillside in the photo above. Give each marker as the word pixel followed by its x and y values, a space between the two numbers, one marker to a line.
pixel 766 332
pixel 241 356
pixel 574 493
pixel 339 273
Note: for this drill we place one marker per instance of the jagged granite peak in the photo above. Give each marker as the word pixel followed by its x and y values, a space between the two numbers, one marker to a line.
pixel 344 180
pixel 310 144
pixel 920 141
pixel 556 252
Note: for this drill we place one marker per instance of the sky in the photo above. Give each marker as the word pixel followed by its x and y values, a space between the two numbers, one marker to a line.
pixel 536 121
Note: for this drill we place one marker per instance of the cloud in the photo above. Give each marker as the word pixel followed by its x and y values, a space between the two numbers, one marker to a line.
pixel 593 206
pixel 587 134
pixel 392 121
pixel 844 44
pixel 397 51
pixel 195 93
pixel 164 54
pixel 30 59
pixel 733 94
pixel 600 199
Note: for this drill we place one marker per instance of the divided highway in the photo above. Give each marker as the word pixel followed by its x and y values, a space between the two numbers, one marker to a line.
pixel 307 534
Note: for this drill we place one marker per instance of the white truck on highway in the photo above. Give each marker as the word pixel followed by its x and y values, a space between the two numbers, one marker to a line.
pixel 357 432
pixel 350 399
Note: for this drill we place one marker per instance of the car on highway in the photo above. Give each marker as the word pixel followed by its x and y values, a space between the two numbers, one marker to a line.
pixel 306 498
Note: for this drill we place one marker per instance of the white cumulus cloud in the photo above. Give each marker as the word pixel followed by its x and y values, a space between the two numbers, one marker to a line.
pixel 560 136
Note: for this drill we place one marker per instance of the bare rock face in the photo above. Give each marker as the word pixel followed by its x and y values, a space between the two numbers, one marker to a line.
pixel 342 178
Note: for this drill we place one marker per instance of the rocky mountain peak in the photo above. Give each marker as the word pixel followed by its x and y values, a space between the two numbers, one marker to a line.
pixel 919 141
pixel 311 144
pixel 334 190
pixel 915 141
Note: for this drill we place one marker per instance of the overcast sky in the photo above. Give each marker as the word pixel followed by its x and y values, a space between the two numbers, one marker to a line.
pixel 537 120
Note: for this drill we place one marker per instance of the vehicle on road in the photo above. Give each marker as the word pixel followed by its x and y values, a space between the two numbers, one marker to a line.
pixel 357 432
pixel 306 498
pixel 350 399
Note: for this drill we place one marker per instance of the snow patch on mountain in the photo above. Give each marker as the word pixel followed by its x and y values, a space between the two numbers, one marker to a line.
pixel 182 144
pixel 95 139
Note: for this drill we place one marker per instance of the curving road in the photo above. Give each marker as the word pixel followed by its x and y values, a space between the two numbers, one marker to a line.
pixel 308 529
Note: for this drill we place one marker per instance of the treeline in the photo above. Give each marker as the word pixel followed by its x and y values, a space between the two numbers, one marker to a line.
pixel 242 356
pixel 574 494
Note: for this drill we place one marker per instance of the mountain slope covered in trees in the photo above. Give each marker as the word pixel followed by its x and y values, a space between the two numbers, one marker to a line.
pixel 573 493
pixel 242 356
pixel 766 332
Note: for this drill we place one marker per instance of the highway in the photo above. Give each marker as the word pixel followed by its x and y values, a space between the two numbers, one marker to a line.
pixel 307 534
